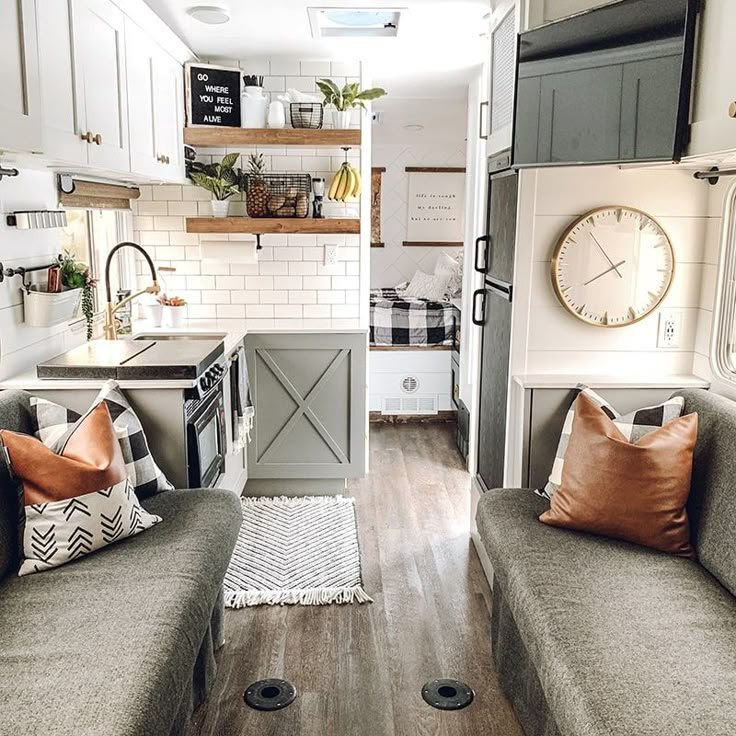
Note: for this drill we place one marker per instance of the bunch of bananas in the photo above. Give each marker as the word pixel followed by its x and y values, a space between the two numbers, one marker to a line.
pixel 345 184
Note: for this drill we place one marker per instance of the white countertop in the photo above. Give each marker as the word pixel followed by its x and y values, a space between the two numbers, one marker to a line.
pixel 233 330
pixel 554 380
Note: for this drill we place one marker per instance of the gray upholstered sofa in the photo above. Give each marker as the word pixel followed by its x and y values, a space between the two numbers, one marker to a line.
pixel 120 643
pixel 595 637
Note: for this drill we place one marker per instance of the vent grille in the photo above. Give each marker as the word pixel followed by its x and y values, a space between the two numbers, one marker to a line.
pixel 409 384
pixel 409 405
pixel 503 41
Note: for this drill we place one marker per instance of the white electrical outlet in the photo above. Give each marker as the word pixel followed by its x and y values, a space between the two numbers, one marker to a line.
pixel 330 255
pixel 670 329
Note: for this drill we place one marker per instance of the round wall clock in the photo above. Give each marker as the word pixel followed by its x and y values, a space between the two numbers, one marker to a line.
pixel 613 266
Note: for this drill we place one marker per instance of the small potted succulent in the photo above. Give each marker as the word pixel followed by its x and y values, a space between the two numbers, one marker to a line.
pixel 174 308
pixel 346 99
pixel 221 180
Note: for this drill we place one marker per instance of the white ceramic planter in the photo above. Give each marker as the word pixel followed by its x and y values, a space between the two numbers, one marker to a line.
pixel 341 119
pixel 220 207
pixel 42 309
pixel 175 316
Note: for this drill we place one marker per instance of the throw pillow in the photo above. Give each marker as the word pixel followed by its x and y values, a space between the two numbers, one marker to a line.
pixel 635 491
pixel 427 286
pixel 77 501
pixel 633 426
pixel 452 268
pixel 53 423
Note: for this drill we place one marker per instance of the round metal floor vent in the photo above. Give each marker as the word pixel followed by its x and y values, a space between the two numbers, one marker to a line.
pixel 271 694
pixel 409 384
pixel 447 694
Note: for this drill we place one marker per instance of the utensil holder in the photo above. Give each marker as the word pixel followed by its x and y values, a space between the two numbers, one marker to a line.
pixel 42 309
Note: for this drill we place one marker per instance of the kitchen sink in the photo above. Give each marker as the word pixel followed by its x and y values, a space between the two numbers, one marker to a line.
pixel 163 336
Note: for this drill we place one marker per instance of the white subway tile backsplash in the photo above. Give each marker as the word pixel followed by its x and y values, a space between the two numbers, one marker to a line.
pixel 285 66
pixel 315 68
pixel 259 282
pixel 230 283
pixel 259 311
pixel 302 297
pixel 289 280
pixel 302 268
pixel 232 311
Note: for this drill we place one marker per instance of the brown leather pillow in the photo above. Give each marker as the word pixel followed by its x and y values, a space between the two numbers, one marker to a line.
pixel 637 492
pixel 76 502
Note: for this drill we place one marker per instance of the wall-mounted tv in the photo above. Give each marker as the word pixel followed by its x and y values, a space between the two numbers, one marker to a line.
pixel 608 85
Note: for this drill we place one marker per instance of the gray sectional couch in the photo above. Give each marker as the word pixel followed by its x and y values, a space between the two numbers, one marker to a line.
pixel 122 642
pixel 594 637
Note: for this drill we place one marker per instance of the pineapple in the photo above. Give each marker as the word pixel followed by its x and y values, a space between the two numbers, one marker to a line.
pixel 258 194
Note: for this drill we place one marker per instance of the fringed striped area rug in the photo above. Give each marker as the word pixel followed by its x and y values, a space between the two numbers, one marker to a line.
pixel 296 551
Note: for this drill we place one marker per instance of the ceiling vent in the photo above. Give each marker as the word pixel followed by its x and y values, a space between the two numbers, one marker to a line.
pixel 354 22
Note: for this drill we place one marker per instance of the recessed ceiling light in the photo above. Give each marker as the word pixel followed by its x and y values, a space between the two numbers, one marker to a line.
pixel 209 14
pixel 414 128
pixel 343 22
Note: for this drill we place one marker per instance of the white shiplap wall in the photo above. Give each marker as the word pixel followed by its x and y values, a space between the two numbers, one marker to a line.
pixel 395 263
pixel 547 339
pixel 290 280
pixel 22 346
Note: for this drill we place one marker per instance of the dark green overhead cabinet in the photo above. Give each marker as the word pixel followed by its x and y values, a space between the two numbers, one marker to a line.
pixel 309 392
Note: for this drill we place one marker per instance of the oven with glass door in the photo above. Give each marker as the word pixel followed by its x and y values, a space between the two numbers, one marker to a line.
pixel 206 437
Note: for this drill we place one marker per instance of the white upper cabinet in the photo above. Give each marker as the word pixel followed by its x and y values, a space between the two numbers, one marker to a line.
pixel 20 111
pixel 714 90
pixel 60 105
pixel 99 42
pixel 155 105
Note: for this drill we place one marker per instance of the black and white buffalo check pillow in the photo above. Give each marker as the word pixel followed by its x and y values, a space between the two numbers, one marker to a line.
pixel 53 424
pixel 633 426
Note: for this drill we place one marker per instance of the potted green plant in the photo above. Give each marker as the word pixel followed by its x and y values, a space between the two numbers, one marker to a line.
pixel 221 180
pixel 346 99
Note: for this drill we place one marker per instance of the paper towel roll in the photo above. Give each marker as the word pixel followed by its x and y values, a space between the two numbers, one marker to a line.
pixel 229 251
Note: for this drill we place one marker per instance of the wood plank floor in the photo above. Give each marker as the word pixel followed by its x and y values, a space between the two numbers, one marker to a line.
pixel 359 669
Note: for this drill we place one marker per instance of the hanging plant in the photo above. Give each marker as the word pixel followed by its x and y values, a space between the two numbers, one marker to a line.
pixel 76 275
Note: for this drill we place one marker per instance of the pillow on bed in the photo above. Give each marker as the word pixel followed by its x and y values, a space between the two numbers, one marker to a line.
pixel 428 286
pixel 452 268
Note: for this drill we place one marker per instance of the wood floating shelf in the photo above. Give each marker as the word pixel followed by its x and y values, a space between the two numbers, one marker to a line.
pixel 265 225
pixel 222 137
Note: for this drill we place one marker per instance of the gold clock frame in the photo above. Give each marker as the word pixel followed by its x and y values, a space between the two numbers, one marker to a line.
pixel 556 257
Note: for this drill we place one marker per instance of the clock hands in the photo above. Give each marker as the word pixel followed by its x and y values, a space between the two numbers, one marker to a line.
pixel 614 267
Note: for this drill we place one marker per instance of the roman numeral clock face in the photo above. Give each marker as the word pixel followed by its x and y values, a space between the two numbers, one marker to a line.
pixel 613 267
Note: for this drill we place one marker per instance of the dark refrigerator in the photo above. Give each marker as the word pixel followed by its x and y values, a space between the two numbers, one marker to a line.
pixel 494 258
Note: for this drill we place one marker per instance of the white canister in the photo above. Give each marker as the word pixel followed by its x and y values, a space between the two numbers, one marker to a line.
pixel 276 115
pixel 175 316
pixel 254 108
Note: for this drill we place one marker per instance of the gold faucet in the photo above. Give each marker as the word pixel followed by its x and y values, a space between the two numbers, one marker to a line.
pixel 154 288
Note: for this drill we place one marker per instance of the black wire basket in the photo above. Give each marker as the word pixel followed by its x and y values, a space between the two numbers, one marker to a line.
pixel 307 115
pixel 278 195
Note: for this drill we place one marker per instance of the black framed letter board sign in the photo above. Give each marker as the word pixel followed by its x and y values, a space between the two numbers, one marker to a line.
pixel 213 95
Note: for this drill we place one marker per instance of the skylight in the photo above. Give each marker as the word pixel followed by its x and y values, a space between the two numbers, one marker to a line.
pixel 354 22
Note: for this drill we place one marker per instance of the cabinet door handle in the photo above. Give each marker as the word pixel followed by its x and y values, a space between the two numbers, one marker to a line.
pixel 168 160
pixel 479 297
pixel 161 159
pixel 482 267
pixel 98 139
pixel 87 137
pixel 482 126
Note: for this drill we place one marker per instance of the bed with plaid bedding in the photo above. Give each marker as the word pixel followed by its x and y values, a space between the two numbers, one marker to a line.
pixel 398 320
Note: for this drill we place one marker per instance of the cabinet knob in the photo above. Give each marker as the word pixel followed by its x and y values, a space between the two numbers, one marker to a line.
pixel 168 160
pixel 98 139
pixel 86 137
pixel 732 110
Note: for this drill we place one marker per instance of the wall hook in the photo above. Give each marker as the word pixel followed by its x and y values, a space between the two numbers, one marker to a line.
pixel 8 172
